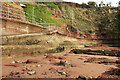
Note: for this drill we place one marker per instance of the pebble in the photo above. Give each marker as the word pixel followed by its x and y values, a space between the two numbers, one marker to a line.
pixel 17 73
pixel 90 78
pixel 18 62
pixel 62 73
pixel 31 73
pixel 28 69
pixel 22 73
pixel 13 62
pixel 73 65
pixel 68 63
pixel 67 75
pixel 20 76
pixel 11 74
pixel 64 63
pixel 23 69
pixel 38 65
pixel 45 54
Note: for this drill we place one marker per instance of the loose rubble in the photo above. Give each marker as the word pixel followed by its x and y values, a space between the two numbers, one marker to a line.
pixel 60 65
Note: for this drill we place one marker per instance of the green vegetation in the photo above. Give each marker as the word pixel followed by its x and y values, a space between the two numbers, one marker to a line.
pixel 40 12
pixel 85 20
pixel 92 3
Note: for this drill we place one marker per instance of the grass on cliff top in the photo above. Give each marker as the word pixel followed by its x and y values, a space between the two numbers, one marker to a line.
pixel 85 19
pixel 42 12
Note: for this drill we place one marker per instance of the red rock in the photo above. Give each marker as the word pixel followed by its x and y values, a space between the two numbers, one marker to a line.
pixel 93 53
pixel 32 61
pixel 14 65
pixel 52 69
pixel 106 48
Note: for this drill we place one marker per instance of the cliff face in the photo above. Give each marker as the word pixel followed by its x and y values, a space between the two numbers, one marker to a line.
pixel 74 17
pixel 84 20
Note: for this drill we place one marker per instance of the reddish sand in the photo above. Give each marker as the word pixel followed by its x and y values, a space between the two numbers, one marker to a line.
pixel 49 70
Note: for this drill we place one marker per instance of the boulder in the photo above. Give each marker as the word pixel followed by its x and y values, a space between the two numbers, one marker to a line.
pixel 31 61
pixel 31 73
pixel 64 63
pixel 60 49
pixel 82 77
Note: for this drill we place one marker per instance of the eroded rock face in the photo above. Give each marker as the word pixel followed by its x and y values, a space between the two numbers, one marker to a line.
pixel 112 74
pixel 100 60
pixel 96 52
